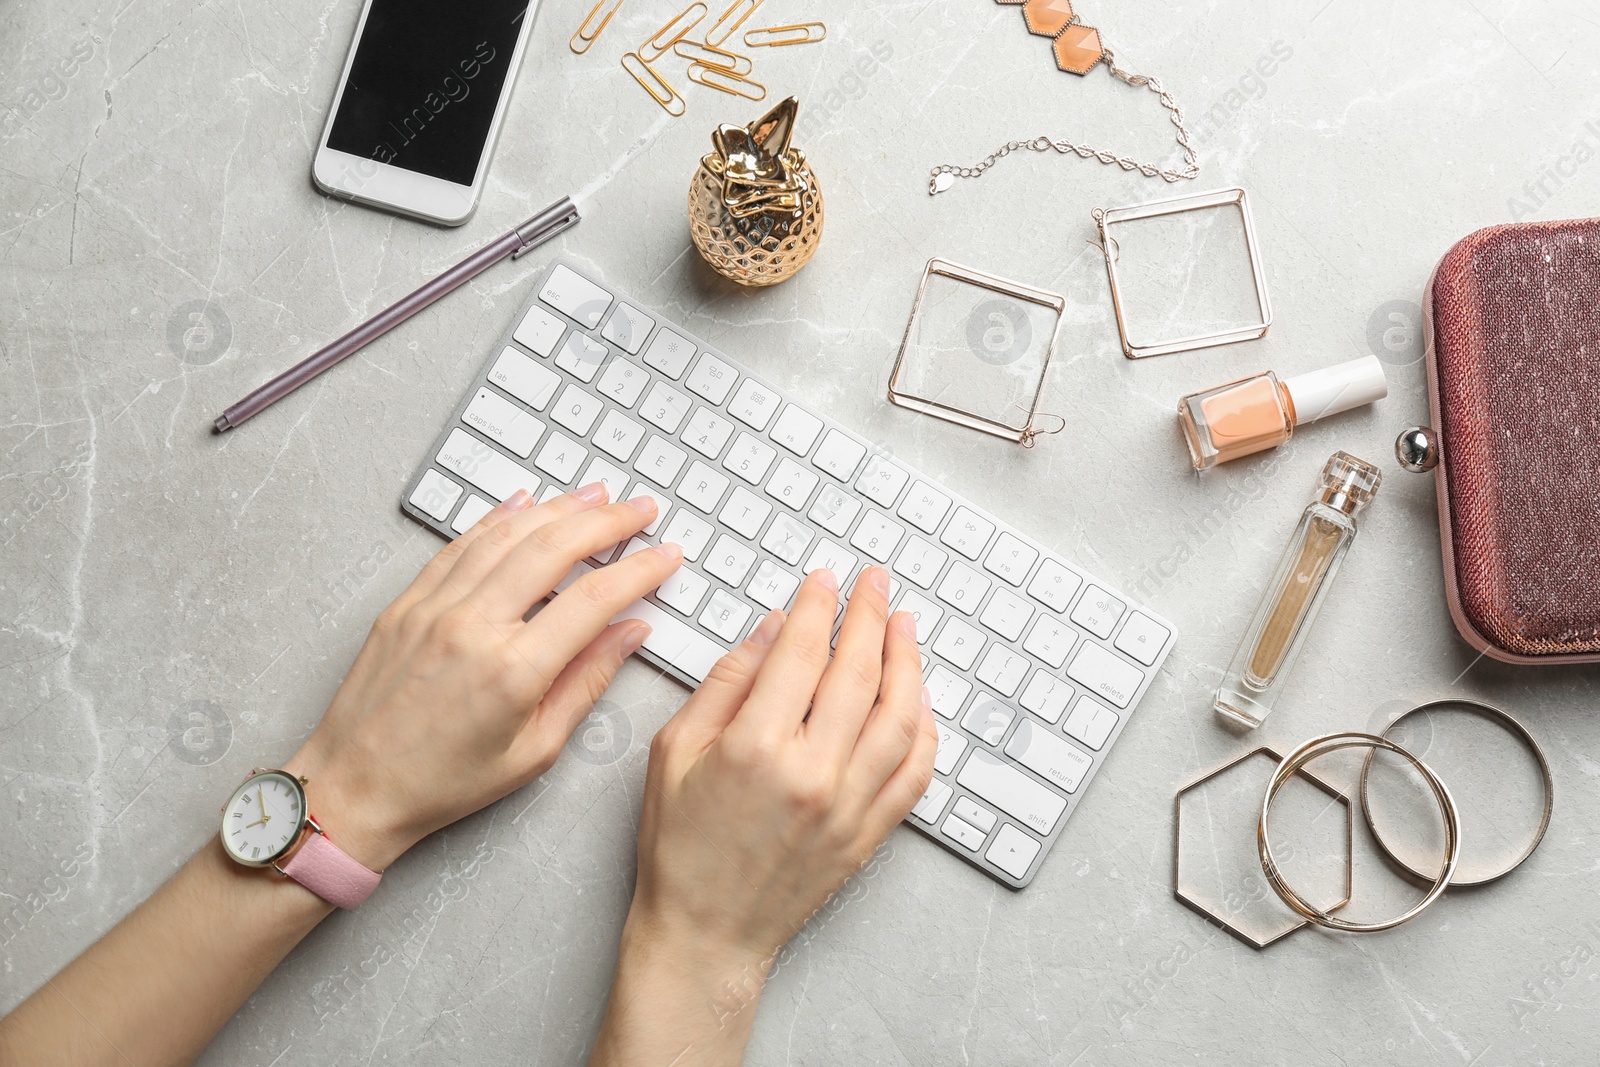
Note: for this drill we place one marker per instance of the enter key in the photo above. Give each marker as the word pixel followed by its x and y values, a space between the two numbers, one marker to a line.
pixel 1053 759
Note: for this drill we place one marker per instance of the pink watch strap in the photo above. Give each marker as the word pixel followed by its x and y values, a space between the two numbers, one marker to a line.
pixel 324 868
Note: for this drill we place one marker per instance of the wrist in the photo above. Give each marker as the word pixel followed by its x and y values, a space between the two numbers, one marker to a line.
pixel 723 975
pixel 349 813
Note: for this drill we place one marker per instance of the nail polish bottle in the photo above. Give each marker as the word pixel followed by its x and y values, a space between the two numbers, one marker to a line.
pixel 1295 594
pixel 1253 414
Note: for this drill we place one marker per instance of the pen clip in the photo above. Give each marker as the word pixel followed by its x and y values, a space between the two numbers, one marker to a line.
pixel 562 215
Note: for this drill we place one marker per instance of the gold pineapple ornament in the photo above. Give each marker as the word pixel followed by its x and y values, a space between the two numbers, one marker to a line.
pixel 755 206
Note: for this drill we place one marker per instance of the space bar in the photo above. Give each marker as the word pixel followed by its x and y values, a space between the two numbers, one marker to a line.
pixel 674 642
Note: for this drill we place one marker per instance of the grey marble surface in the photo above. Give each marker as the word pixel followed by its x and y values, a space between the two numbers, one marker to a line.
pixel 177 607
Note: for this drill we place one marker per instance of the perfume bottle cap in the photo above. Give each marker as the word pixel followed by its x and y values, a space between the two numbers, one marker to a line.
pixel 1348 483
pixel 1337 388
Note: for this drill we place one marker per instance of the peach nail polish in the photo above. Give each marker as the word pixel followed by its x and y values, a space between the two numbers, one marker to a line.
pixel 593 493
pixel 516 501
pixel 1261 412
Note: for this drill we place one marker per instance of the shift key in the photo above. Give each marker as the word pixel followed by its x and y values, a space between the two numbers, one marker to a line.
pixel 1012 791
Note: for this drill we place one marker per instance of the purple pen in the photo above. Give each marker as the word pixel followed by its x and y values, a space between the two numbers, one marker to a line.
pixel 561 215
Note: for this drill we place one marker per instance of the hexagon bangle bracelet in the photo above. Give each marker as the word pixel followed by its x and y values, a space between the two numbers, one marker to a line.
pixel 1078 49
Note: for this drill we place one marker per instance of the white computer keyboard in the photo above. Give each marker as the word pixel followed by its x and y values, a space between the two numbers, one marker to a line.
pixel 1034 665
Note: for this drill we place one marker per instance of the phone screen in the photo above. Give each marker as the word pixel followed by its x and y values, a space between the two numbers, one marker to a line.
pixel 425 82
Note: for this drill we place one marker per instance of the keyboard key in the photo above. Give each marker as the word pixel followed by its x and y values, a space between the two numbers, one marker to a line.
pixel 772 587
pixel 1013 851
pixel 682 591
pixel 730 560
pixel 576 297
pixel 882 481
pixel 834 510
pixel 839 455
pixel 608 475
pixel 924 507
pixel 1032 803
pixel 828 556
pixel 660 462
pixel 753 404
pixel 749 458
pixel 623 381
pixel 951 745
pixel 581 357
pixel 708 432
pixel 1142 638
pixel 920 562
pixel 665 407
pixel 959 643
pixel 539 331
pixel 792 484
pixel 577 409
pixel 1007 614
pixel 1054 585
pixel 532 383
pixel 627 328
pixel 1049 756
pixel 689 532
pixel 497 474
pixel 950 691
pixel 674 641
pixel 1105 673
pixel 474 509
pixel 963 588
pixel 496 417
pixel 787 539
pixel 796 429
pixel 725 615
pixel 669 354
pixel 1091 722
pixel 561 457
pixel 745 513
pixel 1098 611
pixel 1002 669
pixel 1010 559
pixel 1046 696
pixel 703 487
pixel 934 798
pixel 967 533
pixel 969 837
pixel 925 611
pixel 968 811
pixel 1051 639
pixel 877 535
pixel 711 379
pixel 618 435
pixel 663 504
pixel 988 719
pixel 435 494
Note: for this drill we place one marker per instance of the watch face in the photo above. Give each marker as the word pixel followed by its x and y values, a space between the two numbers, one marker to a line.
pixel 263 818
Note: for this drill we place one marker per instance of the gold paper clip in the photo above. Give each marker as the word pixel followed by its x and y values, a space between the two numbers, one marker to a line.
pixel 709 55
pixel 585 36
pixel 726 80
pixel 731 20
pixel 654 84
pixel 663 39
pixel 775 36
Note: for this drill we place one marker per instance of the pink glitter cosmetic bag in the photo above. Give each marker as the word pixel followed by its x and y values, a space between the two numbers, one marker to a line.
pixel 1512 327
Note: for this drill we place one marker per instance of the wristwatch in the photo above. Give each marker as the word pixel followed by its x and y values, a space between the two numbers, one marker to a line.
pixel 266 823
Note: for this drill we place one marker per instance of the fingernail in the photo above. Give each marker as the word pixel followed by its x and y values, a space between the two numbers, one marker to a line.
pixel 767 632
pixel 646 504
pixel 825 578
pixel 636 638
pixel 516 501
pixel 907 623
pixel 879 579
pixel 593 493
pixel 671 551
pixel 927 698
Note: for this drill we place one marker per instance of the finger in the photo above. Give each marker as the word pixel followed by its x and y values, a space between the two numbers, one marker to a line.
pixel 849 688
pixel 534 565
pixel 565 627
pixel 573 694
pixel 712 707
pixel 433 572
pixel 892 728
pixel 479 557
pixel 788 680
pixel 905 786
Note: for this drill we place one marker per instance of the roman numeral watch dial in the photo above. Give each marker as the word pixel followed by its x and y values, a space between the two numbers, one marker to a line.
pixel 263 819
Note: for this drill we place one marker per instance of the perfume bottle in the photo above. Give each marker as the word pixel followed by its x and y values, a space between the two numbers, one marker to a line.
pixel 1290 605
pixel 1261 412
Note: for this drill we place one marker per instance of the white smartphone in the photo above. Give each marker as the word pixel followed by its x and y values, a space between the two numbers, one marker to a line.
pixel 420 103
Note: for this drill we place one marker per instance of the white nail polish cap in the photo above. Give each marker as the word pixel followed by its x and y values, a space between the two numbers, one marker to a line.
pixel 1341 387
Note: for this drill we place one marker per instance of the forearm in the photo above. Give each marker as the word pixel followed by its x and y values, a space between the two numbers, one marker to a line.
pixel 675 1001
pixel 158 986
